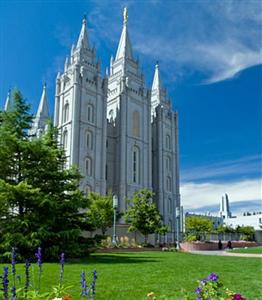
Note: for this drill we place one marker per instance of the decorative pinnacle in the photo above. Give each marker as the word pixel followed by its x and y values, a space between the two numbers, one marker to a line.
pixel 125 16
pixel 84 19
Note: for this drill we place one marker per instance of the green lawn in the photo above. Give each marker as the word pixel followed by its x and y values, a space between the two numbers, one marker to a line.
pixel 130 276
pixel 252 250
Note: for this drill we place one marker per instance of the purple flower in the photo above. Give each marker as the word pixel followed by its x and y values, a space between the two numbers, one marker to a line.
pixel 84 290
pixel 13 293
pixel 13 256
pixel 13 289
pixel 238 297
pixel 198 290
pixel 38 255
pixel 5 282
pixel 199 298
pixel 93 283
pixel 62 262
pixel 27 276
pixel 213 277
pixel 203 282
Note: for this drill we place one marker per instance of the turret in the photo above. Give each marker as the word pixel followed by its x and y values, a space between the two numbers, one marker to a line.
pixel 42 115
pixel 8 101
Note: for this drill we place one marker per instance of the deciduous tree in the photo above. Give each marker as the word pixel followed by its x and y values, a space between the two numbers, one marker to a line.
pixel 143 216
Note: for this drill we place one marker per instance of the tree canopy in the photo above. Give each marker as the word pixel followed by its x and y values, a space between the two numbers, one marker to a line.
pixel 198 224
pixel 100 212
pixel 142 214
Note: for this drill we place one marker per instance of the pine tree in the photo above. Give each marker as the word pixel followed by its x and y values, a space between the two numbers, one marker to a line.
pixel 40 202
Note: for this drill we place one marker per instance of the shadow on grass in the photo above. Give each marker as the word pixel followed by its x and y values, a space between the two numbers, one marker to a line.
pixel 120 258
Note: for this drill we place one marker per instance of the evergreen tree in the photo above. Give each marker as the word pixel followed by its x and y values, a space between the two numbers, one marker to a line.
pixel 143 216
pixel 40 202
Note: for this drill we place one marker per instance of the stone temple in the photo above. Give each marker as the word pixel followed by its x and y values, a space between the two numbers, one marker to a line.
pixel 122 135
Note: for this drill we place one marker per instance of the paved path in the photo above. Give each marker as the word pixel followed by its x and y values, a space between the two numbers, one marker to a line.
pixel 225 253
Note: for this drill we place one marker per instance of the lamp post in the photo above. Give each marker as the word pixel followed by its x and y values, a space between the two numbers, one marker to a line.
pixel 115 205
pixel 178 226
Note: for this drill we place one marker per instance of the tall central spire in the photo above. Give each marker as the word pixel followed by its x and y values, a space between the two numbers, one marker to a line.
pixel 156 81
pixel 83 39
pixel 124 49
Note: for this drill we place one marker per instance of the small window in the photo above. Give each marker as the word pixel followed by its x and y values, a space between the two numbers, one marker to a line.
pixel 66 112
pixel 168 184
pixel 136 166
pixel 90 113
pixel 89 140
pixel 88 167
pixel 168 164
pixel 168 142
pixel 65 139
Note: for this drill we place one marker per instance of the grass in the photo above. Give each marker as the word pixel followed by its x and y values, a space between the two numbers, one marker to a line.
pixel 251 250
pixel 130 276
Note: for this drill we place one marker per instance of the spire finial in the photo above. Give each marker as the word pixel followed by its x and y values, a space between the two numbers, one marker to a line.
pixel 84 19
pixel 125 16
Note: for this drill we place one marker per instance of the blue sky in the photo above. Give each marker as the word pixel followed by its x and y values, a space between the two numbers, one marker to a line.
pixel 211 64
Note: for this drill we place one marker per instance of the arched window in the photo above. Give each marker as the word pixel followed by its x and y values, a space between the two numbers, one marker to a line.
pixel 136 165
pixel 90 113
pixel 168 142
pixel 168 184
pixel 65 139
pixel 66 112
pixel 136 124
pixel 169 205
pixel 88 167
pixel 170 225
pixel 89 140
pixel 111 115
pixel 168 164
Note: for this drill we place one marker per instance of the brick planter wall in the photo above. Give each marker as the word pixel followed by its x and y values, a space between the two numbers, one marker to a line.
pixel 198 246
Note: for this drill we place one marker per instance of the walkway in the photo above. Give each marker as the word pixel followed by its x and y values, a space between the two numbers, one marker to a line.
pixel 225 253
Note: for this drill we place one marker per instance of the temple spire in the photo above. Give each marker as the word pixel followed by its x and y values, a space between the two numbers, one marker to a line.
pixel 42 111
pixel 83 39
pixel 156 81
pixel 124 49
pixel 8 101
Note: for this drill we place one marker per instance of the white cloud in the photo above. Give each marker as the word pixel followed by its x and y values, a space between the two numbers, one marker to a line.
pixel 218 39
pixel 196 195
pixel 244 166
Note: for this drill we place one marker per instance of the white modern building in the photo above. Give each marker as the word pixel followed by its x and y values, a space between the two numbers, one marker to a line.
pixel 122 135
pixel 253 219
